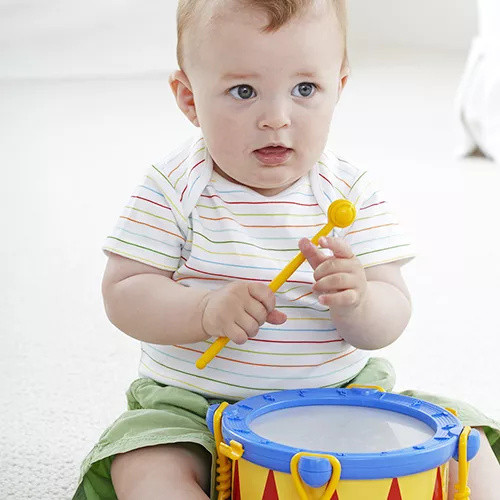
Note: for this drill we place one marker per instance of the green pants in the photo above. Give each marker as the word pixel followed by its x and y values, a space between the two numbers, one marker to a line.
pixel 159 414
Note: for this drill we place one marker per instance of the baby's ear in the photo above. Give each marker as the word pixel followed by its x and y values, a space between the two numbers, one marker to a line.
pixel 344 76
pixel 181 88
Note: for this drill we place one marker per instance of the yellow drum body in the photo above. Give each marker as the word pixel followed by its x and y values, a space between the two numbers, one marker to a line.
pixel 252 482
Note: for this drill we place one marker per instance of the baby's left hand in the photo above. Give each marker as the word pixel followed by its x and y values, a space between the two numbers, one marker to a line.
pixel 340 279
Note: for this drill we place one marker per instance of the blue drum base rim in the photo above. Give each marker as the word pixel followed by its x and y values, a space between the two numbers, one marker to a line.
pixel 360 466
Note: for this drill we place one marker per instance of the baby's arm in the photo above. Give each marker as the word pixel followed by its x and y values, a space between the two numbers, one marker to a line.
pixel 145 303
pixel 383 314
pixel 370 307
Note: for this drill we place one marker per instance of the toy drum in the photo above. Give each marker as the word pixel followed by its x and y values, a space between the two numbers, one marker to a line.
pixel 338 444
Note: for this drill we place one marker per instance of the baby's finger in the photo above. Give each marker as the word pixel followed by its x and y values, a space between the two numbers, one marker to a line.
pixel 248 324
pixel 276 317
pixel 333 266
pixel 256 310
pixel 311 253
pixel 263 294
pixel 346 298
pixel 236 334
pixel 335 283
pixel 338 246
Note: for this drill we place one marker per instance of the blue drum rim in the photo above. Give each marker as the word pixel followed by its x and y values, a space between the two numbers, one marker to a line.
pixel 411 460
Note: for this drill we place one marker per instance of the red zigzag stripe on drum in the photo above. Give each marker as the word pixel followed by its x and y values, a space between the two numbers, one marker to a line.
pixel 270 491
pixel 235 494
pixel 395 492
pixel 438 488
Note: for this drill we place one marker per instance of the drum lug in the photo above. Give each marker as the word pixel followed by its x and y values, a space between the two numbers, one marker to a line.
pixel 233 450
pixel 297 479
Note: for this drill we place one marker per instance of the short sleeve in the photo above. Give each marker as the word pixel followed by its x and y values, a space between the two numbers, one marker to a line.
pixel 376 236
pixel 147 230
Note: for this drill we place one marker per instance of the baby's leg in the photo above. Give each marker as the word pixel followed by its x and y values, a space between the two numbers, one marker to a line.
pixel 484 473
pixel 173 471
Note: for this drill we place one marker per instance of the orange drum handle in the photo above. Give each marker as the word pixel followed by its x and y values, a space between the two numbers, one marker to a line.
pixel 297 480
pixel 463 491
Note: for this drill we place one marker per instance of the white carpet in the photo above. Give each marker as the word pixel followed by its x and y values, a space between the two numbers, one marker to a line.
pixel 70 153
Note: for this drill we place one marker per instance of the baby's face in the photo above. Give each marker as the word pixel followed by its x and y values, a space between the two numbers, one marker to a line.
pixel 252 89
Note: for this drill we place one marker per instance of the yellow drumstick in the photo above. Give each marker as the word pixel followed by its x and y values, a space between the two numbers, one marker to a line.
pixel 341 213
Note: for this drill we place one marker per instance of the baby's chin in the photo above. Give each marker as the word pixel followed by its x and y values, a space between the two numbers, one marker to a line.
pixel 270 189
pixel 266 188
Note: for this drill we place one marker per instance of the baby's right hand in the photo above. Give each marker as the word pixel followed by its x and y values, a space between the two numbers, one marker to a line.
pixel 239 309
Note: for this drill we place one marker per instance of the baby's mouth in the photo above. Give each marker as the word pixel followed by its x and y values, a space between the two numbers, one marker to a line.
pixel 273 155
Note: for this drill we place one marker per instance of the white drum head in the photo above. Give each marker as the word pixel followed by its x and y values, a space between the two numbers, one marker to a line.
pixel 341 429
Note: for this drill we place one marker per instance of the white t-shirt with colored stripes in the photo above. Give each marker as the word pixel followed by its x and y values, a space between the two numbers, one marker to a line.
pixel 188 219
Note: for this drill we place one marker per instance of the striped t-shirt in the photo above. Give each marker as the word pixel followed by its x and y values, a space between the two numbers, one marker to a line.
pixel 209 231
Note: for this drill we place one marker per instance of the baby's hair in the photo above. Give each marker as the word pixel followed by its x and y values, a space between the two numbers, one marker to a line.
pixel 279 13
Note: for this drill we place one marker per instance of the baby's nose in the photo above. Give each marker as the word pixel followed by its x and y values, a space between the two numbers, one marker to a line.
pixel 274 115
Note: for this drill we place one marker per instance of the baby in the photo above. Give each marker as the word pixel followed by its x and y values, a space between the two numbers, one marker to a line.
pixel 211 225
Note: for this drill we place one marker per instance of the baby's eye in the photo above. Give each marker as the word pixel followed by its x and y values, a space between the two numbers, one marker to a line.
pixel 305 89
pixel 242 91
